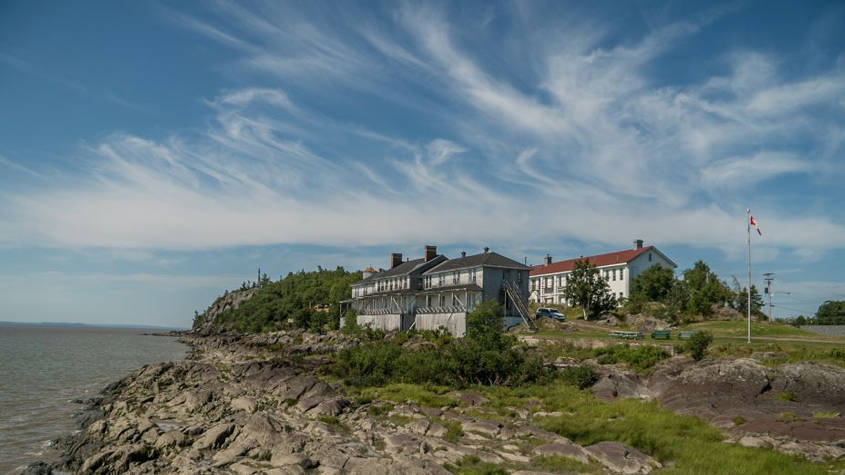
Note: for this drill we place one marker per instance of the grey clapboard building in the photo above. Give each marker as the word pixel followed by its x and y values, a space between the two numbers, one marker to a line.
pixel 436 292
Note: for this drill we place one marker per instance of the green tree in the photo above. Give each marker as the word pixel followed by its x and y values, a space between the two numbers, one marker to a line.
pixel 350 321
pixel 832 312
pixel 698 343
pixel 588 289
pixel 705 289
pixel 653 284
pixel 757 304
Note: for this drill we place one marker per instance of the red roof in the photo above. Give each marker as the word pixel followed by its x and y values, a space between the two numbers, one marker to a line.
pixel 600 260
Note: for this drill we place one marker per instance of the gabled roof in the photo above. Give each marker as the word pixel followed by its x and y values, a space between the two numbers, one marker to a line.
pixel 489 259
pixel 405 268
pixel 600 260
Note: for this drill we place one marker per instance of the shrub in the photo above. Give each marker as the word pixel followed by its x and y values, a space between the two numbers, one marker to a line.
pixel 641 357
pixel 485 356
pixel 698 343
pixel 350 321
pixel 581 377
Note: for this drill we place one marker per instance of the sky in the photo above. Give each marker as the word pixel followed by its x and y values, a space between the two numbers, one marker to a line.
pixel 153 154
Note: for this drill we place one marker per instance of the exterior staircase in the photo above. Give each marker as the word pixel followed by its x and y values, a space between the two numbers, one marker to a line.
pixel 519 302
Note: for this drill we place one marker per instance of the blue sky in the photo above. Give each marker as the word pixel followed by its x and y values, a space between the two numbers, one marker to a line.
pixel 153 154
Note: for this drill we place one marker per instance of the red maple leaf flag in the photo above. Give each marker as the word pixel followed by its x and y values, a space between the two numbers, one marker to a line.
pixel 754 223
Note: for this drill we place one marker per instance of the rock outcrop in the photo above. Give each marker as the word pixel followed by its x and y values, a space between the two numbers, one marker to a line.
pixel 229 301
pixel 243 405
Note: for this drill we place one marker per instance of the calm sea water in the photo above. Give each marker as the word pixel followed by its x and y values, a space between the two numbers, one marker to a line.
pixel 43 369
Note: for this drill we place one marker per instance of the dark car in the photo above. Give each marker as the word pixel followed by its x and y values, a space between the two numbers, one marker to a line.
pixel 543 312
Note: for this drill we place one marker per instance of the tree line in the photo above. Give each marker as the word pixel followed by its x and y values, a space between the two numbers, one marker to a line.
pixel 699 292
pixel 309 300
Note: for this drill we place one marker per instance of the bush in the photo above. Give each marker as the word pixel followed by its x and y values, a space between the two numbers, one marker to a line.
pixel 581 377
pixel 641 357
pixel 698 343
pixel 350 321
pixel 485 356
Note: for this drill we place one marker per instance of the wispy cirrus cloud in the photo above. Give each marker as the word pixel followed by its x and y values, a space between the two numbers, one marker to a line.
pixel 432 138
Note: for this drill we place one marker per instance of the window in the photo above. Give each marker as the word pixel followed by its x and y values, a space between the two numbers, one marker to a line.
pixel 441 279
pixel 621 274
pixel 442 300
pixel 455 278
pixel 519 277
pixel 428 300
pixel 472 275
pixel 649 257
pixel 614 274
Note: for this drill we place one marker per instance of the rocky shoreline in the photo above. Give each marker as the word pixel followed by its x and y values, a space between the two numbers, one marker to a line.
pixel 250 404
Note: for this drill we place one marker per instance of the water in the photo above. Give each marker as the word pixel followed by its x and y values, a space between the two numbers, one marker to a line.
pixel 43 369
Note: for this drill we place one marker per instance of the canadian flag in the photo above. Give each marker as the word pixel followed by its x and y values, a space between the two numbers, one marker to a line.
pixel 754 223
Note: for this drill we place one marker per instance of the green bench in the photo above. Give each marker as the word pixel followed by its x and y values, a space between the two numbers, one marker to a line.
pixel 661 335
pixel 686 335
pixel 626 335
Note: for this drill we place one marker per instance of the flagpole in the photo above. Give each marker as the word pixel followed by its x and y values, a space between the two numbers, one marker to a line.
pixel 748 225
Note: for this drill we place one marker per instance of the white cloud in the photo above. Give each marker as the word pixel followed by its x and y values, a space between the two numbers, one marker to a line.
pixel 746 171
pixel 587 145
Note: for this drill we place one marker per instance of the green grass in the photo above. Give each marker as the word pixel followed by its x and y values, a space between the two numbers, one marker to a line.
pixel 787 396
pixel 826 415
pixel 429 396
pixel 685 444
pixel 472 465
pixel 739 328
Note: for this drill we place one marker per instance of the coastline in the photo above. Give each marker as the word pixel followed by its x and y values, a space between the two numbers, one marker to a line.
pixel 257 403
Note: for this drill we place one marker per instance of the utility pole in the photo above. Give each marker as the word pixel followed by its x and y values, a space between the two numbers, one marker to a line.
pixel 259 277
pixel 769 277
pixel 748 225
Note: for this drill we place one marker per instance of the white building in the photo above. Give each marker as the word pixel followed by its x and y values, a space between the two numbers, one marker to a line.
pixel 548 280
pixel 436 292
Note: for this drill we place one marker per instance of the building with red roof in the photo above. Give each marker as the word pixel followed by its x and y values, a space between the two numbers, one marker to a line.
pixel 548 280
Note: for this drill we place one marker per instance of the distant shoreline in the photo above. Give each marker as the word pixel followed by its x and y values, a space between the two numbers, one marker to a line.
pixel 127 326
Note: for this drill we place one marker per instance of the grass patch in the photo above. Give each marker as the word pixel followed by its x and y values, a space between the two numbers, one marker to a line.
pixel 429 395
pixel 787 396
pixel 562 465
pixel 638 357
pixel 787 416
pixel 472 465
pixel 826 415
pixel 399 419
pixel 739 420
pixel 379 410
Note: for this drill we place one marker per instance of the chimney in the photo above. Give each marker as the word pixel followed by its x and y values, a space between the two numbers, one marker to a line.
pixel 548 259
pixel 638 244
pixel 463 253
pixel 486 250
pixel 395 259
pixel 430 253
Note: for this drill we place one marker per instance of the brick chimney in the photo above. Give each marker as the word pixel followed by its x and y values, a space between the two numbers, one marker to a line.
pixel 395 259
pixel 638 244
pixel 430 253
pixel 548 259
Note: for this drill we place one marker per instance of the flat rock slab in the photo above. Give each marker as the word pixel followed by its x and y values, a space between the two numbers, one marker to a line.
pixel 621 458
pixel 563 448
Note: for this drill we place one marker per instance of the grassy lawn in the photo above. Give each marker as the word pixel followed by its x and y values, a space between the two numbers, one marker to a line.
pixel 739 329
pixel 684 444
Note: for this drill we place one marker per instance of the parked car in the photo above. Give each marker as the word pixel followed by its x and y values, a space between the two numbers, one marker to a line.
pixel 549 313
pixel 554 314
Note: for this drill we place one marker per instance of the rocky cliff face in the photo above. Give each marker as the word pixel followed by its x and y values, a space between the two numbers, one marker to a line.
pixel 230 301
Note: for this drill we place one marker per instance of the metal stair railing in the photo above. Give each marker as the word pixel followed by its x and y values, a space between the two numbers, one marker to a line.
pixel 512 291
